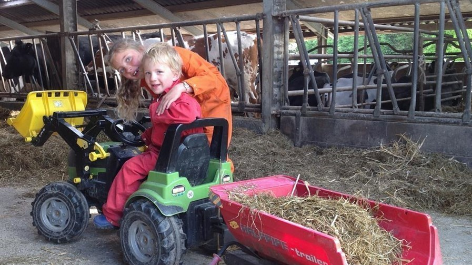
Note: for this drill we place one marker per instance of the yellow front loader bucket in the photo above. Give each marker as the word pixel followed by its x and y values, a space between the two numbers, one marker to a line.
pixel 44 103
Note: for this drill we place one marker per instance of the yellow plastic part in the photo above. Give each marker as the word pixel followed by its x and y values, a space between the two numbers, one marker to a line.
pixel 44 103
pixel 82 143
pixel 100 155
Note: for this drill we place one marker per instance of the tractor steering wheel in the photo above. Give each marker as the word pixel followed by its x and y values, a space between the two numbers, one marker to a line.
pixel 128 132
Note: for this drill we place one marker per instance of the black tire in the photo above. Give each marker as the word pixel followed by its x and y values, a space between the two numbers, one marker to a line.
pixel 148 237
pixel 60 212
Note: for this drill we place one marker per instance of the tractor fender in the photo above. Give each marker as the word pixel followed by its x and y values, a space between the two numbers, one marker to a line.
pixel 150 195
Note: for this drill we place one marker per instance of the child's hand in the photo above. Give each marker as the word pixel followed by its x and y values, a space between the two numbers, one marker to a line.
pixel 169 98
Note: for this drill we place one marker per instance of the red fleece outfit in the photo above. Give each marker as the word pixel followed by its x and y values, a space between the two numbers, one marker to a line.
pixel 209 89
pixel 184 110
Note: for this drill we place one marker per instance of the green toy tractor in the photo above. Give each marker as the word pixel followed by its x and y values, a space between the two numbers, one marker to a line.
pixel 167 214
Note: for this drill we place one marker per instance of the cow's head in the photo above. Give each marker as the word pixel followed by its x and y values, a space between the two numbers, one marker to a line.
pixel 22 61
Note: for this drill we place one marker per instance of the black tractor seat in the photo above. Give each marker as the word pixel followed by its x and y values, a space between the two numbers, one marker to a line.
pixel 193 156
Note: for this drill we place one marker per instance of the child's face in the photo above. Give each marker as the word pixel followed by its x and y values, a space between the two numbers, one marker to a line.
pixel 158 76
pixel 127 62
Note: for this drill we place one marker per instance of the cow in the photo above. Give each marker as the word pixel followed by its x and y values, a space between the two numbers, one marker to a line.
pixel 20 61
pixel 86 49
pixel 7 85
pixel 20 66
pixel 451 76
pixel 368 96
pixel 403 93
pixel 296 81
pixel 249 56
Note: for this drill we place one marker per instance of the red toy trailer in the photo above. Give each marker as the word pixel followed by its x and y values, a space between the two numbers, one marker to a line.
pixel 286 242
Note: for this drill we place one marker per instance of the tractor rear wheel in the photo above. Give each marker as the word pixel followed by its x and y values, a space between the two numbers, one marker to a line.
pixel 60 212
pixel 148 237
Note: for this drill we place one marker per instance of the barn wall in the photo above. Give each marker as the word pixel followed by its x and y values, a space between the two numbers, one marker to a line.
pixel 451 140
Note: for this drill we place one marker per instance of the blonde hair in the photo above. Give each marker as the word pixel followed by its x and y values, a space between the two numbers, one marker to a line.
pixel 128 93
pixel 127 97
pixel 163 53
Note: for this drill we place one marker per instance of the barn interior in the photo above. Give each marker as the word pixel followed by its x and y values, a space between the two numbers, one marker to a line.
pixel 280 26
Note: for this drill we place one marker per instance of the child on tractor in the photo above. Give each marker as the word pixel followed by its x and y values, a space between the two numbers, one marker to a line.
pixel 200 78
pixel 162 67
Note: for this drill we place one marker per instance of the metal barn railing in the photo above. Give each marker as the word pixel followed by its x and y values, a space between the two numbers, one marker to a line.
pixel 420 79
pixel 102 88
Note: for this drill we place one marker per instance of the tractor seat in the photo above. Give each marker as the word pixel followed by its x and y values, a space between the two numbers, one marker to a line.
pixel 193 158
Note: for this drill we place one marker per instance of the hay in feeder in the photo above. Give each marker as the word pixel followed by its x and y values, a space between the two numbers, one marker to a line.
pixel 4 113
pixel 362 239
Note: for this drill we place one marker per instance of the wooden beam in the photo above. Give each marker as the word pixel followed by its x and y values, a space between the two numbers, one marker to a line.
pixel 166 14
pixel 53 8
pixel 16 26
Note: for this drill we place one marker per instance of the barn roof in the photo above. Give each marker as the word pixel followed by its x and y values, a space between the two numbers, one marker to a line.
pixel 43 15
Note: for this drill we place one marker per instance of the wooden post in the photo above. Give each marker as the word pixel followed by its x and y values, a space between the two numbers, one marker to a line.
pixel 68 21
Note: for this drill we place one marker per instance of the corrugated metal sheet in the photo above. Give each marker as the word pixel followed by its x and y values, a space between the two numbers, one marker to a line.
pixel 27 13
pixel 178 2
pixel 22 11
pixel 94 7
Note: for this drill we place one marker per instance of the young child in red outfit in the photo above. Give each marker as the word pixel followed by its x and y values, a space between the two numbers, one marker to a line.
pixel 162 67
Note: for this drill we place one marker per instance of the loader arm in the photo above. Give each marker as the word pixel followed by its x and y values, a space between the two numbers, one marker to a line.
pixel 82 144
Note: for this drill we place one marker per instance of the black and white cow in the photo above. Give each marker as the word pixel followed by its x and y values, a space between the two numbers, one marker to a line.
pixel 344 97
pixel 450 76
pixel 20 61
pixel 296 81
pixel 83 47
pixel 448 90
pixel 8 84
pixel 21 65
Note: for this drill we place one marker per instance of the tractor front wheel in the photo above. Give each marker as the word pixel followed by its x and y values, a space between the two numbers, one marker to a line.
pixel 148 237
pixel 60 212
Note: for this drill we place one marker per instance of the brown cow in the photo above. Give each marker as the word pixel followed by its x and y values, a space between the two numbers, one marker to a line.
pixel 249 56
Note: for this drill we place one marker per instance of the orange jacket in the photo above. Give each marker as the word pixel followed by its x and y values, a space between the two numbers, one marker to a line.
pixel 209 88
